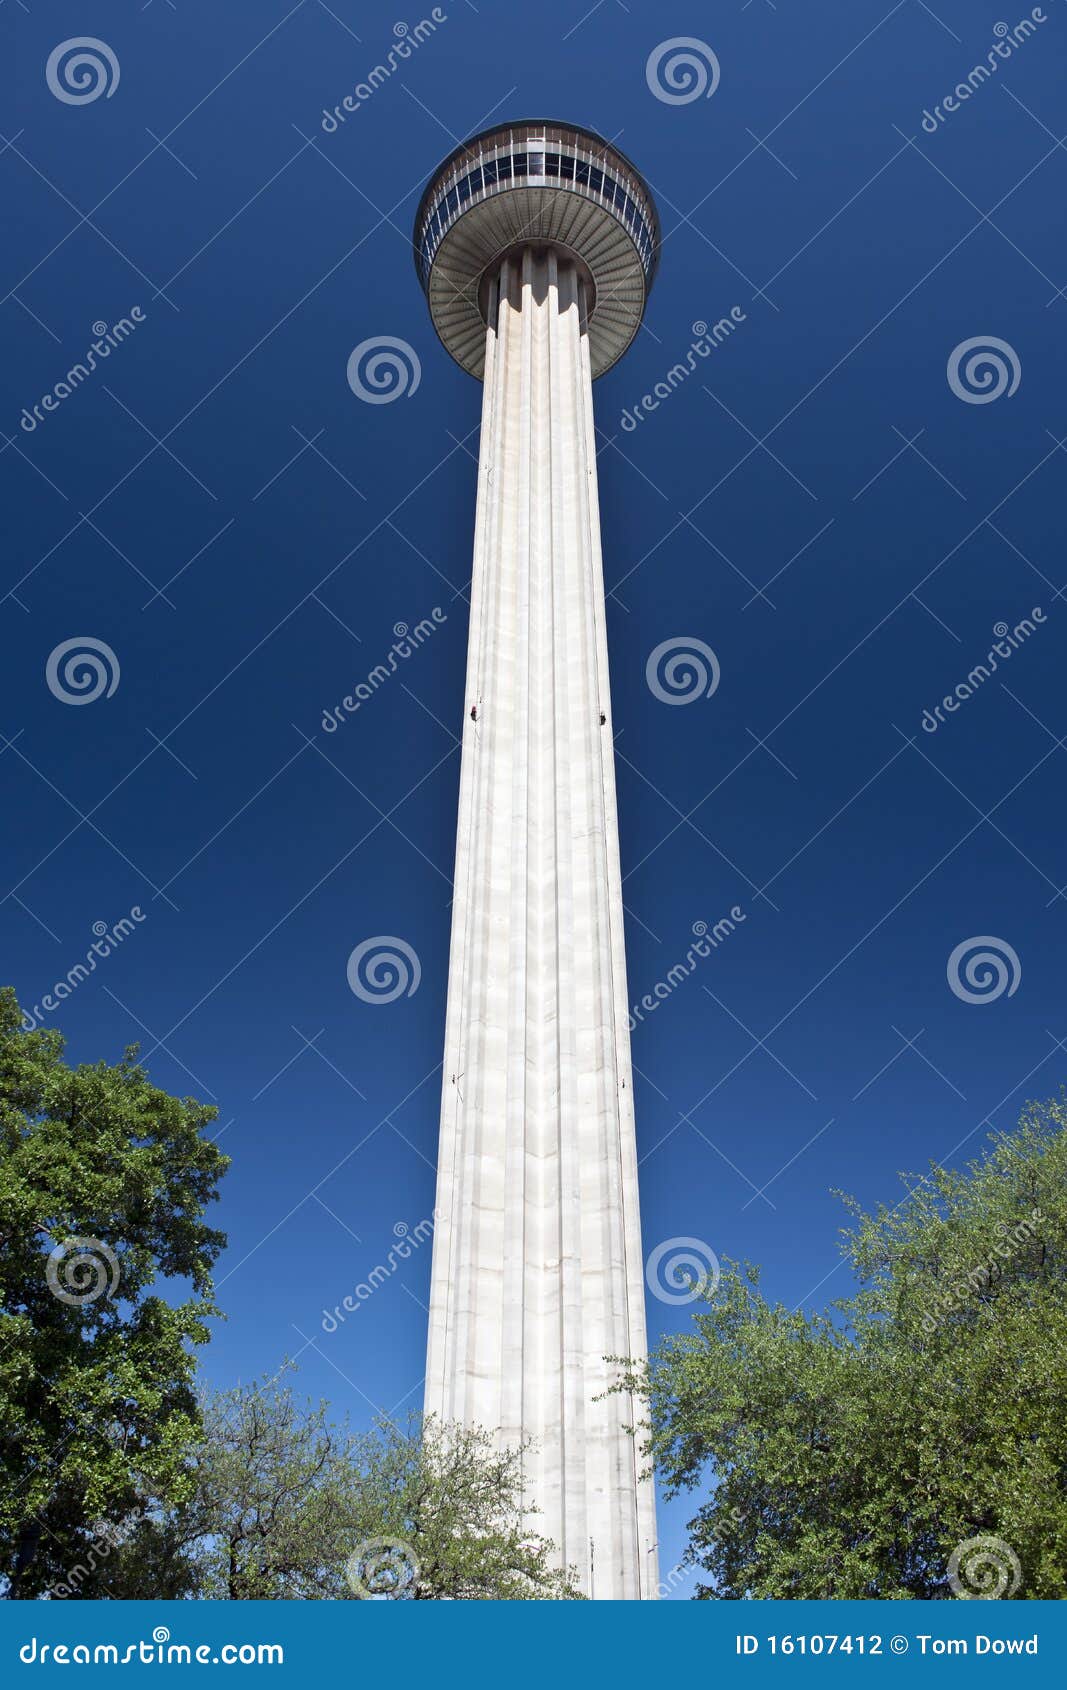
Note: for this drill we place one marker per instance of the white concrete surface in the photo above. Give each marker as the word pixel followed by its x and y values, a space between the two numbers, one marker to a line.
pixel 537 1264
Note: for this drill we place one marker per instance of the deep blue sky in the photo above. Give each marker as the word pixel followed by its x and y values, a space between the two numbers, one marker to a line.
pixel 862 849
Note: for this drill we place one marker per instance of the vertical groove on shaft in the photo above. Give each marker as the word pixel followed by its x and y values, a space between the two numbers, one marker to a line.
pixel 537 1268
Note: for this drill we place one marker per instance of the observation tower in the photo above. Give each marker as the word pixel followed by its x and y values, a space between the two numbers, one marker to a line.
pixel 536 245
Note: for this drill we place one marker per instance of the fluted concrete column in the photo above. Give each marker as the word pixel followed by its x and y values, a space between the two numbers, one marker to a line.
pixel 537 1264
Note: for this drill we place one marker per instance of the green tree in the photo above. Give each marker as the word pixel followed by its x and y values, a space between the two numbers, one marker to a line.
pixel 862 1453
pixel 268 1504
pixel 104 1182
pixel 284 1504
pixel 453 1504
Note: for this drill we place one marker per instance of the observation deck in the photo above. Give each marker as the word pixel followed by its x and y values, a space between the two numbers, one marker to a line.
pixel 536 184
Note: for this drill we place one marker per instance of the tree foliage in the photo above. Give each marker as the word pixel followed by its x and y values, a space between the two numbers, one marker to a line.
pixel 284 1504
pixel 455 1501
pixel 852 1453
pixel 104 1182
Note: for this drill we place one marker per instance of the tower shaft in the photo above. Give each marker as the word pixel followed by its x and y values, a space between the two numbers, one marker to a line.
pixel 537 1267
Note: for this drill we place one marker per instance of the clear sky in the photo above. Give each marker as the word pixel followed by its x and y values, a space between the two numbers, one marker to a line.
pixel 816 503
